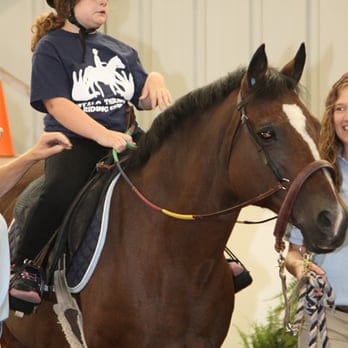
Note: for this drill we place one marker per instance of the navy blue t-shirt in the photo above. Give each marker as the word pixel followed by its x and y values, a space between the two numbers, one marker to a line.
pixel 110 76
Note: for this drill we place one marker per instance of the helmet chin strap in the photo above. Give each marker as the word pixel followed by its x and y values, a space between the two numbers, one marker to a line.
pixel 83 32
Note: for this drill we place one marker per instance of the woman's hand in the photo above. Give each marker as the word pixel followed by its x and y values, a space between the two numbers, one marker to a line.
pixel 49 144
pixel 296 264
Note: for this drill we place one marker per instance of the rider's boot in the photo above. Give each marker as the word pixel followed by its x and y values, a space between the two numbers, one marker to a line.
pixel 26 287
pixel 241 276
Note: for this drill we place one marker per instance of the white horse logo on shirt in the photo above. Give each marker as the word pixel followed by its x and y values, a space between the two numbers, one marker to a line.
pixel 87 83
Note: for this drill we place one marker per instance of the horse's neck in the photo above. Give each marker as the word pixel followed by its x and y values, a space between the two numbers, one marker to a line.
pixel 188 180
pixel 192 162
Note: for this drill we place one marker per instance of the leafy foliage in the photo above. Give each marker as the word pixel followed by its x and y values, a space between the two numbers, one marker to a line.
pixel 271 333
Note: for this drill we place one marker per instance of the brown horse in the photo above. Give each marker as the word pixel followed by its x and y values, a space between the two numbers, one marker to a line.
pixel 162 279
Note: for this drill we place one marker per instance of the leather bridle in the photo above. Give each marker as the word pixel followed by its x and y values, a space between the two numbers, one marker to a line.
pixel 289 200
pixel 295 186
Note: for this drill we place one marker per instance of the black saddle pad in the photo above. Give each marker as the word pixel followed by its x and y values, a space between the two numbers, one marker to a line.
pixel 84 214
pixel 24 205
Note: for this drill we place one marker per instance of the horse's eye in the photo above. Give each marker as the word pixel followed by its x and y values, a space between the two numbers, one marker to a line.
pixel 266 134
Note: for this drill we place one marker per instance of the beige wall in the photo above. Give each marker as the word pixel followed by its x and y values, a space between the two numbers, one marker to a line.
pixel 193 42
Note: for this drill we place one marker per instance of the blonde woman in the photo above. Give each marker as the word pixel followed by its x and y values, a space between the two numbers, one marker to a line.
pixel 333 147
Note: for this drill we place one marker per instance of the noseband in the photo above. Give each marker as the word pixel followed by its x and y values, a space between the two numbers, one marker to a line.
pixel 288 203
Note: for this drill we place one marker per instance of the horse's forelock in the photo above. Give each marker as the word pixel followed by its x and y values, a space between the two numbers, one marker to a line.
pixel 275 84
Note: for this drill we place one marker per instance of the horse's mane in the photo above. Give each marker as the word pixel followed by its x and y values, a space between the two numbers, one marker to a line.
pixel 197 102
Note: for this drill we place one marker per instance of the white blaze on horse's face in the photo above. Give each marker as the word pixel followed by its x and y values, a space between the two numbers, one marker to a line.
pixel 298 120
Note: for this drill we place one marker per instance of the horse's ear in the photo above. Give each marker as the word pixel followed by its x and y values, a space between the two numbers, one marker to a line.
pixel 256 70
pixel 295 67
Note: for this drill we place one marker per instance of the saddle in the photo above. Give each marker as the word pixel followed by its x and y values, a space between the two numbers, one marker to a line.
pixel 68 238
pixel 86 207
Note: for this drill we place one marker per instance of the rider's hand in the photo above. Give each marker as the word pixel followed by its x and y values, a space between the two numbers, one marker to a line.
pixel 155 93
pixel 115 140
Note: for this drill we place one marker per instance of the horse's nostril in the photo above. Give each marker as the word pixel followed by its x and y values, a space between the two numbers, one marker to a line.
pixel 324 219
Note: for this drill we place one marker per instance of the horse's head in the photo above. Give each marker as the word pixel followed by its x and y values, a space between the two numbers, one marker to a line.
pixel 252 123
pixel 279 135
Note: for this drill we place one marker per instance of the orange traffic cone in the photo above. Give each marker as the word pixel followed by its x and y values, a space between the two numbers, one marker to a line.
pixel 6 147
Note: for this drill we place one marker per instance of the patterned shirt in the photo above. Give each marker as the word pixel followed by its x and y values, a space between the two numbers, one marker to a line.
pixel 110 76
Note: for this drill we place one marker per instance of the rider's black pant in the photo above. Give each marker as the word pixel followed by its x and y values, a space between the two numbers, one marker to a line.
pixel 65 175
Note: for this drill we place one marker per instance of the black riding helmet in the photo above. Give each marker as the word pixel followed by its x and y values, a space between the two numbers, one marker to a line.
pixel 71 17
pixel 83 32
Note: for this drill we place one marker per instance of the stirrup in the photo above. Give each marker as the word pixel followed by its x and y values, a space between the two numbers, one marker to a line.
pixel 26 288
pixel 21 307
pixel 243 279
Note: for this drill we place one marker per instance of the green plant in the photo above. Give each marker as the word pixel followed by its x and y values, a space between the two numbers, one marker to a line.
pixel 271 333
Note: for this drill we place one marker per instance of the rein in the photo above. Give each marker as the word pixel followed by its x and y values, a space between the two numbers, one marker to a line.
pixel 287 203
pixel 183 216
pixel 244 120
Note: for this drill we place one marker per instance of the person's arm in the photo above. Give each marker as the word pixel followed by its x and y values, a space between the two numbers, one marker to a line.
pixel 155 93
pixel 72 117
pixel 47 145
pixel 294 261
